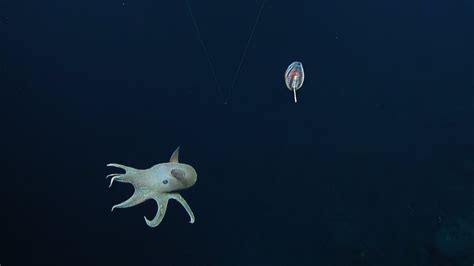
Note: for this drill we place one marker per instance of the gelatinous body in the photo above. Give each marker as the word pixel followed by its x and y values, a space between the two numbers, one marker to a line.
pixel 294 77
pixel 160 183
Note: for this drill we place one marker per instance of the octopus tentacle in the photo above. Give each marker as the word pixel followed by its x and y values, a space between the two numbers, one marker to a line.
pixel 180 199
pixel 113 179
pixel 138 197
pixel 127 169
pixel 111 175
pixel 162 202
pixel 127 177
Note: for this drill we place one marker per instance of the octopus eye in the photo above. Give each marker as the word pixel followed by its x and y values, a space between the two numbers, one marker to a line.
pixel 165 181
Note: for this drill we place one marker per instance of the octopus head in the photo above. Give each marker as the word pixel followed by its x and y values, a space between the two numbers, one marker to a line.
pixel 174 176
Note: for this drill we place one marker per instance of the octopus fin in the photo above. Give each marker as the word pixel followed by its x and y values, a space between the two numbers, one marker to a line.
pixel 174 156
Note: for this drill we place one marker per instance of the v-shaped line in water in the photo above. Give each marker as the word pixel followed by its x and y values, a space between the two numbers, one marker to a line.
pixel 242 58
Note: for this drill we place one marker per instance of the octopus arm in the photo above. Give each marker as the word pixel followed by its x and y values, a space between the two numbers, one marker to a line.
pixel 185 205
pixel 162 204
pixel 138 197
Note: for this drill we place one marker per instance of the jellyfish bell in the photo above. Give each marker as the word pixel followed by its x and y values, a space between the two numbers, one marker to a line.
pixel 294 77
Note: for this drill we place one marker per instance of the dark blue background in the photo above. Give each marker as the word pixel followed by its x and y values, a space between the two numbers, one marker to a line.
pixel 375 157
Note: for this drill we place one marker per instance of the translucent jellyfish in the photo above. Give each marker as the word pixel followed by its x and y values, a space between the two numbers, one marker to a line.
pixel 294 77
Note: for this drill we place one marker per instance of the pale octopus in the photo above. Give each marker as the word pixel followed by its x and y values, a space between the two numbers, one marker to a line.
pixel 157 183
